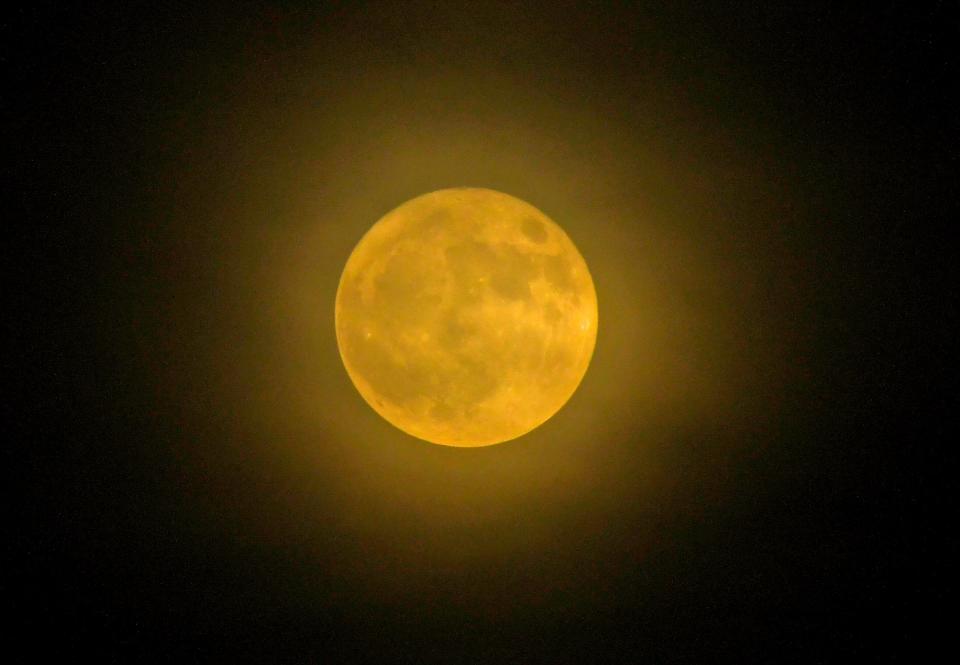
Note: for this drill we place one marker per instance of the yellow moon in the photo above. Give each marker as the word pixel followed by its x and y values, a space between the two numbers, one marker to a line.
pixel 466 317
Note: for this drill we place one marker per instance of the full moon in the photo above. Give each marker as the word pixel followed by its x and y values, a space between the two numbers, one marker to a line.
pixel 466 317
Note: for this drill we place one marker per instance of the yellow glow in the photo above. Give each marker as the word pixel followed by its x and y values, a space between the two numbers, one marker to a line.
pixel 466 317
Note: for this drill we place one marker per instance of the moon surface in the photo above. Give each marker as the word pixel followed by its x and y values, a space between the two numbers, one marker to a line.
pixel 466 317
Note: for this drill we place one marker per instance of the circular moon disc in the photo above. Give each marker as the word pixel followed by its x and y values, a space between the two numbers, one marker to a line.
pixel 466 317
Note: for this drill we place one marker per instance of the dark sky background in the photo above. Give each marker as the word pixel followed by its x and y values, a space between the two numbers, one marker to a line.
pixel 750 470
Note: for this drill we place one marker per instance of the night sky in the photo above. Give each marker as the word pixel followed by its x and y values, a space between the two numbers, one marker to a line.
pixel 749 472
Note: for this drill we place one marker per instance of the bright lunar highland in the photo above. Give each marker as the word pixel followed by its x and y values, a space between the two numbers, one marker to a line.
pixel 466 317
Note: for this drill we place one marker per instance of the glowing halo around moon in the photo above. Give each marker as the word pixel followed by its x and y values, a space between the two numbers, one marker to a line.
pixel 466 317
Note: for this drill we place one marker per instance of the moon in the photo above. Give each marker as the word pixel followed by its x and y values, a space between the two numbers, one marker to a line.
pixel 466 317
